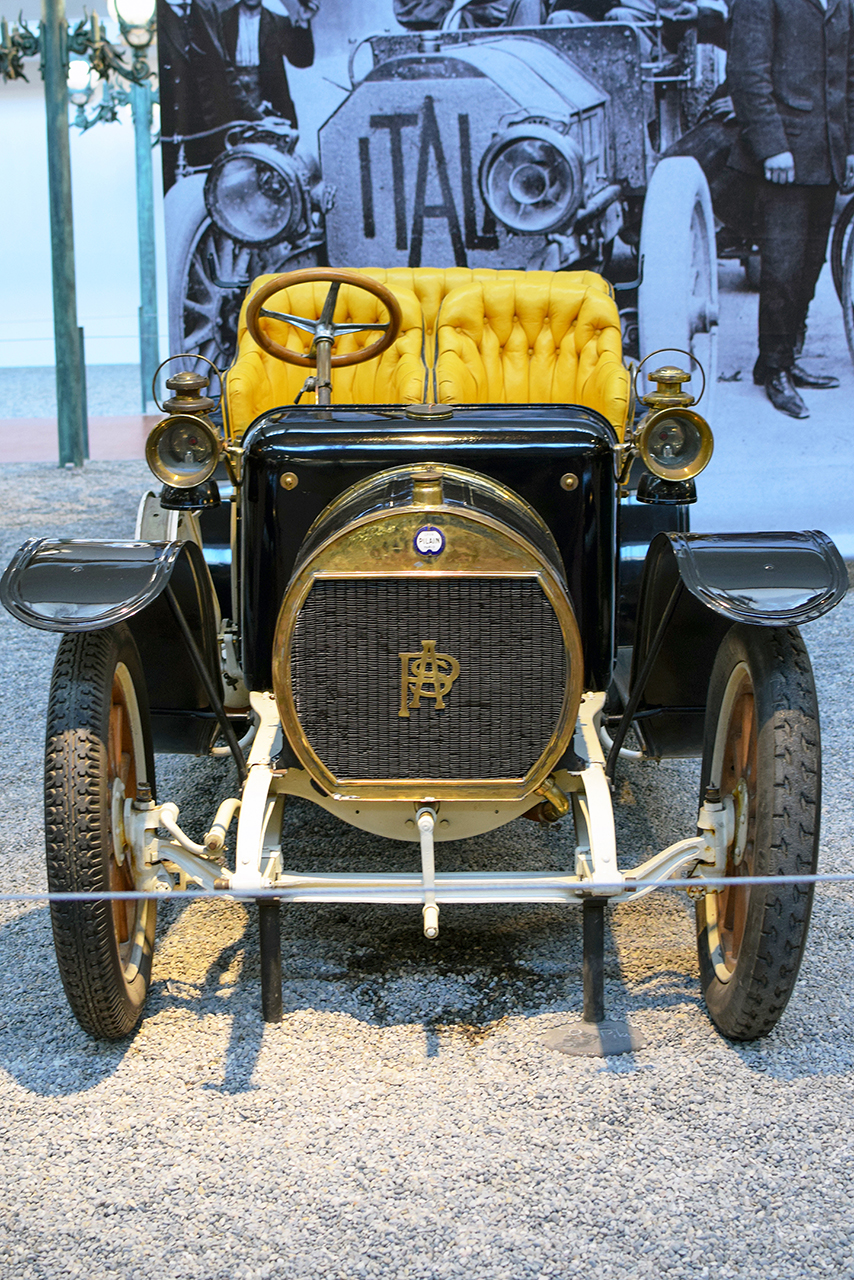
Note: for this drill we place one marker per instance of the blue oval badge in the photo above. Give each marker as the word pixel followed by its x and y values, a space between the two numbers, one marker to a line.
pixel 429 541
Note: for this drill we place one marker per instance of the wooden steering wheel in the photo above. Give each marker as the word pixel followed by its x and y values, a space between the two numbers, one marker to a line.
pixel 323 329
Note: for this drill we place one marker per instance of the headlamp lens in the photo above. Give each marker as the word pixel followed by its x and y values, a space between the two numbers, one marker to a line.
pixel 252 199
pixel 532 184
pixel 675 444
pixel 183 450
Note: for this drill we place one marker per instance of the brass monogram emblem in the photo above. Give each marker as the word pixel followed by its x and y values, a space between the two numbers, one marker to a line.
pixel 426 674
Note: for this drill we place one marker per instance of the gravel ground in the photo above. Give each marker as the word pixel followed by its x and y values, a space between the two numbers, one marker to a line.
pixel 405 1120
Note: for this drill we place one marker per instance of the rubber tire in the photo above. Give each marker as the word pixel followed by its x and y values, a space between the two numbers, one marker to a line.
pixel 785 829
pixel 848 294
pixel 106 996
pixel 839 243
pixel 186 217
pixel 678 252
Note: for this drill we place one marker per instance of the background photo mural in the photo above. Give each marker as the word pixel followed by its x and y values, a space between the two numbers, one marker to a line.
pixel 415 133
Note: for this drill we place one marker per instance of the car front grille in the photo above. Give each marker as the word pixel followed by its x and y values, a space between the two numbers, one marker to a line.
pixel 360 654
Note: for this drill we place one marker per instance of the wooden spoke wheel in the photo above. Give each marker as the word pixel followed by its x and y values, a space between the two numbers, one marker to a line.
pixel 98 754
pixel 762 751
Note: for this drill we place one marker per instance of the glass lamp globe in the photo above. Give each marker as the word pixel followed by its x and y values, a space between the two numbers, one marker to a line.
pixel 136 18
pixel 79 82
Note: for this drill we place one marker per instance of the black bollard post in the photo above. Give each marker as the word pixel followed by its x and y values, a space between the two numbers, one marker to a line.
pixel 595 1036
pixel 270 943
pixel 593 963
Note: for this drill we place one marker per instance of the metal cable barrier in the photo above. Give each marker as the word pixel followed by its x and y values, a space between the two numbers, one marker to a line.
pixel 599 890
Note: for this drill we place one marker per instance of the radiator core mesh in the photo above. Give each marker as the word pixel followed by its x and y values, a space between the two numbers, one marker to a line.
pixel 500 713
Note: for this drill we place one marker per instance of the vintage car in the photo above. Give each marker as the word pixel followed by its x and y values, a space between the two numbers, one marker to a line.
pixel 523 148
pixel 413 599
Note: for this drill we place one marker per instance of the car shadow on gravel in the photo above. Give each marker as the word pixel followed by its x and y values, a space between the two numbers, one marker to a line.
pixel 41 1045
pixel 371 964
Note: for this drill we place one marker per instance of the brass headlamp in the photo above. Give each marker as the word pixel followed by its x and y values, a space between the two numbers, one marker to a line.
pixel 673 440
pixel 183 450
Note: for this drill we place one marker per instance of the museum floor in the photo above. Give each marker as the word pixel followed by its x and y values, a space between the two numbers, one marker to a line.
pixel 117 428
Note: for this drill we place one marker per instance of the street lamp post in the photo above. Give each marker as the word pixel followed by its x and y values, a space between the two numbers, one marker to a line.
pixel 137 25
pixel 54 42
pixel 70 368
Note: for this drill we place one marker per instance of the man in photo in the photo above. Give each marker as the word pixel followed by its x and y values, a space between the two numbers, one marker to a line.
pixel 257 44
pixel 708 16
pixel 189 116
pixel 428 15
pixel 791 76
pixel 239 54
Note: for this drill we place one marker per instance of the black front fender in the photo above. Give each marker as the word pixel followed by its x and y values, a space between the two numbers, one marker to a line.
pixel 768 579
pixel 764 579
pixel 62 584
pixel 66 585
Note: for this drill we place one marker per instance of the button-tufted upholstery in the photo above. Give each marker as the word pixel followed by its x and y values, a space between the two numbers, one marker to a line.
pixel 535 337
pixel 467 336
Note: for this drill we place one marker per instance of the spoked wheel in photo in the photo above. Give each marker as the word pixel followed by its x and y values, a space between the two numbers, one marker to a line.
pixel 839 242
pixel 847 290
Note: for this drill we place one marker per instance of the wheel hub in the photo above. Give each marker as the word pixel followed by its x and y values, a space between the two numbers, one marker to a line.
pixel 117 821
pixel 740 799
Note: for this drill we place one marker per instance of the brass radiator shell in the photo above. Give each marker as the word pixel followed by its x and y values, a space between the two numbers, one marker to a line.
pixel 393 688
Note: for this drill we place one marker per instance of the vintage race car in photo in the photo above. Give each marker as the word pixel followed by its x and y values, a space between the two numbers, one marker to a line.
pixel 523 148
pixel 401 579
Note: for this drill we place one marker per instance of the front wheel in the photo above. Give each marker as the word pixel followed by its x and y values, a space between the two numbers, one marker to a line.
pixel 839 244
pixel 762 748
pixel 98 752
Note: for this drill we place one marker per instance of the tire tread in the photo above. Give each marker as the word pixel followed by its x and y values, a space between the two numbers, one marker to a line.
pixel 74 796
pixel 761 988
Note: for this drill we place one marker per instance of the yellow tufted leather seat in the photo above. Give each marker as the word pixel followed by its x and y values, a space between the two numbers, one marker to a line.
pixel 535 337
pixel 467 336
